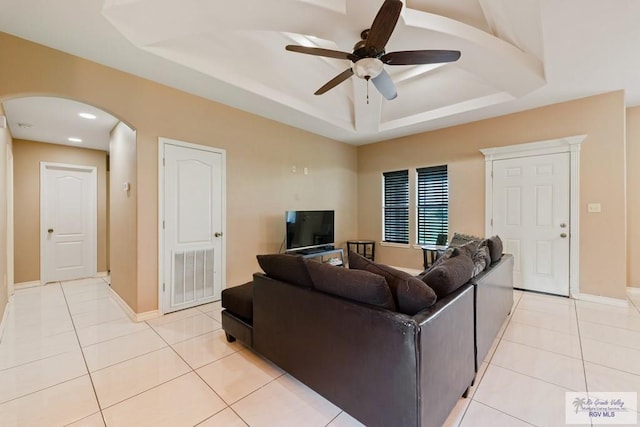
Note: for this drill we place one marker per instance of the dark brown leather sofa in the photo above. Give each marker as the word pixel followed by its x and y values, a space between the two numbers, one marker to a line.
pixel 382 367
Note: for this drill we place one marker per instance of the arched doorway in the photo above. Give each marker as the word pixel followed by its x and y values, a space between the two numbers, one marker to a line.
pixel 67 133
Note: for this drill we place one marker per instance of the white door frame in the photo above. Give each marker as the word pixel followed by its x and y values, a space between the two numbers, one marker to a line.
pixel 93 232
pixel 569 144
pixel 162 142
pixel 10 230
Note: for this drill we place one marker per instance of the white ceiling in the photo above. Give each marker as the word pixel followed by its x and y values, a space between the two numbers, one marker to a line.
pixel 55 120
pixel 515 55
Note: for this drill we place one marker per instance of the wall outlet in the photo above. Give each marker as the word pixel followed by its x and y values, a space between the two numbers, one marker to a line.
pixel 594 208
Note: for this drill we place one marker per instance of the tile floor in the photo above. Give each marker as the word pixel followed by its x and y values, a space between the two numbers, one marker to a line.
pixel 70 356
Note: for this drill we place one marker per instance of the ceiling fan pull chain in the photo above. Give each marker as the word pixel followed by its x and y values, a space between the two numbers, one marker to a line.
pixel 367 91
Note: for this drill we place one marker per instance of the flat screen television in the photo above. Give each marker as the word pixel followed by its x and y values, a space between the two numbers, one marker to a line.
pixel 309 230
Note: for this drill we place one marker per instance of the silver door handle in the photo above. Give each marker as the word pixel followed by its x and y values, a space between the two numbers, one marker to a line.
pixel 218 234
pixel 50 230
pixel 563 235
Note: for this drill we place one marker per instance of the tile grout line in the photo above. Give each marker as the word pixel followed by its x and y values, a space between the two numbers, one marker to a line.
pixel 584 367
pixel 95 393
pixel 477 386
pixel 500 338
pixel 227 405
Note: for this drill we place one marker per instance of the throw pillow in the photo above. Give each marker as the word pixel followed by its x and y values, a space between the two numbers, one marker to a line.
pixel 287 268
pixel 495 248
pixel 481 259
pixel 469 249
pixel 460 239
pixel 450 274
pixel 411 295
pixel 356 285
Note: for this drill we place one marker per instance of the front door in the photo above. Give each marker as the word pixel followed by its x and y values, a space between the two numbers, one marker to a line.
pixel 193 226
pixel 68 213
pixel 531 200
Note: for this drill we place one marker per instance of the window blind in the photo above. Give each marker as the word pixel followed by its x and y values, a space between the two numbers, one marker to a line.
pixel 432 203
pixel 396 207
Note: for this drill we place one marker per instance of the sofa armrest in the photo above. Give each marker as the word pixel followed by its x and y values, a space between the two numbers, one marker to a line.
pixel 446 351
pixel 493 303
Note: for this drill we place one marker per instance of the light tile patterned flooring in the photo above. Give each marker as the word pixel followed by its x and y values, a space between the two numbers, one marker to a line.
pixel 70 356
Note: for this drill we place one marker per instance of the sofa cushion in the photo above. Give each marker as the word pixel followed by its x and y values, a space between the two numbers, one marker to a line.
pixel 450 274
pixel 495 248
pixel 411 295
pixel 355 285
pixel 287 268
pixel 239 300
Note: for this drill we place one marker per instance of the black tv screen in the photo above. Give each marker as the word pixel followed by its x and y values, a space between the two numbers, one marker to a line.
pixel 309 229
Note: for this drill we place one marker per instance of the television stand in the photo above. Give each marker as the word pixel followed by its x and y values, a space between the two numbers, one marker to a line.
pixel 314 250
pixel 333 256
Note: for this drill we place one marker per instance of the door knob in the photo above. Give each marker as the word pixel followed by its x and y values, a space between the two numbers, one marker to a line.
pixel 563 225
pixel 563 235
pixel 218 234
pixel 50 230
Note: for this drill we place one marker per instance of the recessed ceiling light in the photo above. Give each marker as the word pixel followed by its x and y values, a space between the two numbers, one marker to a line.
pixel 87 116
pixel 74 139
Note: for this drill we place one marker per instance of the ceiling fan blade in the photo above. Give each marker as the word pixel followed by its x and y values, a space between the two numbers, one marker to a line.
pixel 322 52
pixel 385 85
pixel 383 25
pixel 417 57
pixel 335 81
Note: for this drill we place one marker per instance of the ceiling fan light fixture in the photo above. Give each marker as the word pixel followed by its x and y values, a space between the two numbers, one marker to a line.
pixel 367 68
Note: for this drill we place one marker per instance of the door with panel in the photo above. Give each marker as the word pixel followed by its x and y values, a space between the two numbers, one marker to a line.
pixel 531 201
pixel 68 222
pixel 193 226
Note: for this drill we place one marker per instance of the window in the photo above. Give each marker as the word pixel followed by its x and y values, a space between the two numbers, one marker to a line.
pixel 432 203
pixel 396 207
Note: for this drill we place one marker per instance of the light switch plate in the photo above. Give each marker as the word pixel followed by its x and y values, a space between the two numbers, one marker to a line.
pixel 594 208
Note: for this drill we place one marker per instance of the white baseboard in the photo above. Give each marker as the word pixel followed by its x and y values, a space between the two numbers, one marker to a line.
pixel 136 317
pixel 3 322
pixel 25 285
pixel 633 290
pixel 102 274
pixel 600 299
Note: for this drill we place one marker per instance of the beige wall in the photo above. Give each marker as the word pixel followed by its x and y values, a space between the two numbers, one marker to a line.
pixel 260 153
pixel 602 179
pixel 5 149
pixel 122 213
pixel 633 196
pixel 27 158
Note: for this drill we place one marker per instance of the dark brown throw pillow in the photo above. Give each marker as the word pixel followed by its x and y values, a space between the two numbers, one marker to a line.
pixel 287 268
pixel 450 274
pixel 495 248
pixel 410 293
pixel 356 285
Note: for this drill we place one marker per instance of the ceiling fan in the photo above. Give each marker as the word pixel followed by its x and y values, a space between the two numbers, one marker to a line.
pixel 369 56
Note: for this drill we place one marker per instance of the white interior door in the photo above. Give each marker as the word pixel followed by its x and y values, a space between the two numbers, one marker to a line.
pixel 193 261
pixel 531 200
pixel 68 222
